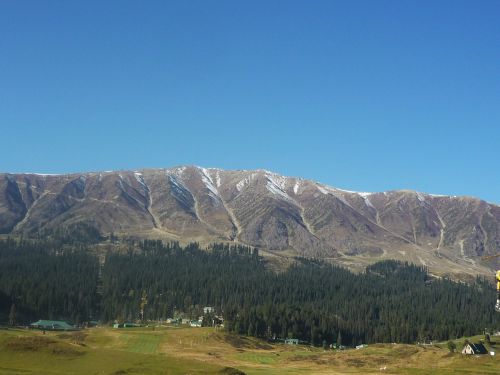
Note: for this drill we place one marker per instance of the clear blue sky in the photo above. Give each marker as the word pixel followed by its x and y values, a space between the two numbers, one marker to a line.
pixel 362 95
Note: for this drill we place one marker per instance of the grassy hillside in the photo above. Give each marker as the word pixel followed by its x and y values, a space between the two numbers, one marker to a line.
pixel 206 351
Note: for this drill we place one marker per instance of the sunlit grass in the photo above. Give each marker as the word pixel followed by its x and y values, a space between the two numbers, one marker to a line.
pixel 175 350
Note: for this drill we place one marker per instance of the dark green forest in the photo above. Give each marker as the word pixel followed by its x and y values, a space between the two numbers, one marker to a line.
pixel 313 301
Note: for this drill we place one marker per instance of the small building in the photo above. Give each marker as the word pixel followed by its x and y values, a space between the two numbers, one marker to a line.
pixel 185 321
pixel 53 325
pixel 195 323
pixel 292 341
pixel 218 321
pixel 125 325
pixel 471 349
pixel 208 310
pixel 130 325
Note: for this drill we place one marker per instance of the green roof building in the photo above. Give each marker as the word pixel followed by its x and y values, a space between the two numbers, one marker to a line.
pixel 53 325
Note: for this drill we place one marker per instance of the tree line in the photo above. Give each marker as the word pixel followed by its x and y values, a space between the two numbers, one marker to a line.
pixel 312 300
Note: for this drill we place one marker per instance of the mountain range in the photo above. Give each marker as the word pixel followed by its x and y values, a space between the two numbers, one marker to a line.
pixel 282 216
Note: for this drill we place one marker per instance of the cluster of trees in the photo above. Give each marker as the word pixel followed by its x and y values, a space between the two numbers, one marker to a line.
pixel 312 301
pixel 391 302
pixel 42 279
pixel 175 278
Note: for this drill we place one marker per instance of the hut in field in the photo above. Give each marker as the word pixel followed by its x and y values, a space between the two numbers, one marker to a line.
pixel 53 325
pixel 471 349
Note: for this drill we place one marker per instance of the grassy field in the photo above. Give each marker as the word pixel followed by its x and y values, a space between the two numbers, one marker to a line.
pixel 173 350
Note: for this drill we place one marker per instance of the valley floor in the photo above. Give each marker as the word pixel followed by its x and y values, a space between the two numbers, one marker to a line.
pixel 174 350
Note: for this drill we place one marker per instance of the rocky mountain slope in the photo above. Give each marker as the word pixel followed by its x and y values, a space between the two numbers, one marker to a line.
pixel 281 215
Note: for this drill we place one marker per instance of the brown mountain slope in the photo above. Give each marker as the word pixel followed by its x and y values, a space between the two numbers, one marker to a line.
pixel 281 215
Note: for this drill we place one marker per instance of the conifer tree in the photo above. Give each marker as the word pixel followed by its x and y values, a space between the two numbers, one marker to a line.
pixel 12 315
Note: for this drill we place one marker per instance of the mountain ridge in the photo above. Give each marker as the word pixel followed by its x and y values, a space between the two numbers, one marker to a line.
pixel 287 216
pixel 362 193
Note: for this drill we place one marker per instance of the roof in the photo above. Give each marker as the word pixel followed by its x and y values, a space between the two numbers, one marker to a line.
pixel 478 348
pixel 58 324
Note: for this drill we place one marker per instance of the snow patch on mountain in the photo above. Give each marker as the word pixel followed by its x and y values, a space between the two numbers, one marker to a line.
pixel 363 194
pixel 367 201
pixel 176 171
pixel 42 174
pixel 420 197
pixel 337 193
pixel 140 179
pixel 209 183
pixel 277 180
pixel 178 190
pixel 322 189
pixel 176 183
pixel 360 193
pixel 241 184
pixel 296 187
pixel 174 176
pixel 120 182
pixel 276 184
pixel 217 178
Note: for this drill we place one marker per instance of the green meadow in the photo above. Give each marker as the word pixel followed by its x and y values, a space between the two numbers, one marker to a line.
pixel 175 350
